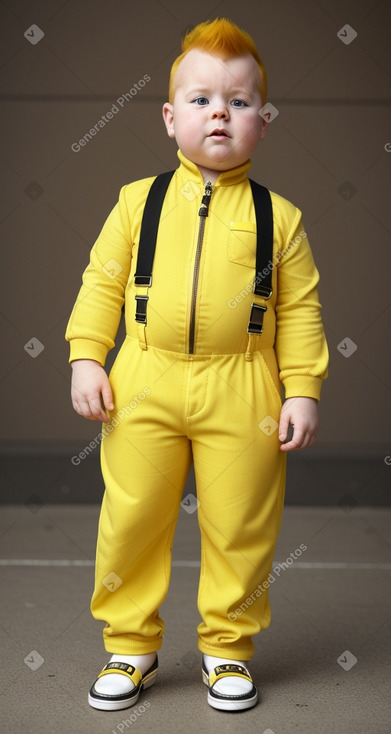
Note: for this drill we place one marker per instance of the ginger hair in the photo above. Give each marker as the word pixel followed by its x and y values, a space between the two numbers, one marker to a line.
pixel 220 37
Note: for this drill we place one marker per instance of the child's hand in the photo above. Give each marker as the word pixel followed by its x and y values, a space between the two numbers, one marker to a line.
pixel 303 415
pixel 90 388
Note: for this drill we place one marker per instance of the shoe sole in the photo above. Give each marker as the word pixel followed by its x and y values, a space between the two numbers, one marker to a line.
pixel 124 703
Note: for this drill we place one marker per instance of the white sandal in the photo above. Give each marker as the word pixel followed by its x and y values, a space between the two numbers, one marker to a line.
pixel 110 702
pixel 228 702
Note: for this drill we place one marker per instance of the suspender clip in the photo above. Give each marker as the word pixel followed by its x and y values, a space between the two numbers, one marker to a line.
pixel 141 309
pixel 145 280
pixel 256 319
pixel 264 291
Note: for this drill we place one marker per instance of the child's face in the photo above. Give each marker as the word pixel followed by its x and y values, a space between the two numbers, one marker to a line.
pixel 215 94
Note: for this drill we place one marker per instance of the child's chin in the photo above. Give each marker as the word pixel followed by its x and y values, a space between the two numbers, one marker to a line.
pixel 222 161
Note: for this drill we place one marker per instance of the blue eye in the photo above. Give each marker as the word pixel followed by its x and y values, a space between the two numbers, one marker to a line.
pixel 201 101
pixel 238 103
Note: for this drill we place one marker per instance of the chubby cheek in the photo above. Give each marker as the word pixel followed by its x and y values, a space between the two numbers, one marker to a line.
pixel 251 130
pixel 187 130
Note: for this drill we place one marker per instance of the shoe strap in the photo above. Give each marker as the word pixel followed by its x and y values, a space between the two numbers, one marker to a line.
pixel 223 671
pixel 130 671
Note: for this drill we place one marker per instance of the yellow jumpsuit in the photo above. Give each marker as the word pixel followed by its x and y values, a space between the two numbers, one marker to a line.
pixel 192 385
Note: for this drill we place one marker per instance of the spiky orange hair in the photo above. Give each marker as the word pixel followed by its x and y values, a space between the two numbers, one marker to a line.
pixel 223 38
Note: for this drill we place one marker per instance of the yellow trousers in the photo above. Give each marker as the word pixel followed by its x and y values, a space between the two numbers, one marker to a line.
pixel 220 411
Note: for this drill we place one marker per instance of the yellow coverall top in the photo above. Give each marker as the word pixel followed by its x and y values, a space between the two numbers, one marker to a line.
pixel 222 301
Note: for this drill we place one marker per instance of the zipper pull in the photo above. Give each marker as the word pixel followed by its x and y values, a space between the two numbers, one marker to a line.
pixel 203 212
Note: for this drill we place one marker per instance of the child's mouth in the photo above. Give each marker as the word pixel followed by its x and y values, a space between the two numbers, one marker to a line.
pixel 219 134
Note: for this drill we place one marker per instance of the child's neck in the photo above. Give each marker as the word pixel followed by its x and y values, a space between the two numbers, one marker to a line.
pixel 209 174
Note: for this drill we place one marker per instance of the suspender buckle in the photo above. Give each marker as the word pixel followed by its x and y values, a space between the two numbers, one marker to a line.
pixel 264 291
pixel 145 280
pixel 141 301
pixel 256 319
pixel 141 309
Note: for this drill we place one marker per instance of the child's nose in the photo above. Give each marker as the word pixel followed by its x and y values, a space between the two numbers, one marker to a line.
pixel 220 111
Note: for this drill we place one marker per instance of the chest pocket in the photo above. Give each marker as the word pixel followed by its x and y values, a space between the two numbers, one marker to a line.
pixel 242 243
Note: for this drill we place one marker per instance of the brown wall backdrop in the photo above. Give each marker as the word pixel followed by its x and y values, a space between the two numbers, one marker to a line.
pixel 328 151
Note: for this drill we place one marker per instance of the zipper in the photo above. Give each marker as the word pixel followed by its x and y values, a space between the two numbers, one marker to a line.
pixel 203 213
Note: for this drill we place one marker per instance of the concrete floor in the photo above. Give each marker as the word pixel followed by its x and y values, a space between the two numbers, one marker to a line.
pixel 332 603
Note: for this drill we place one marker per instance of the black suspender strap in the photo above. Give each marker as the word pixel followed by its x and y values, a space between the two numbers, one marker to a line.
pixel 263 271
pixel 148 236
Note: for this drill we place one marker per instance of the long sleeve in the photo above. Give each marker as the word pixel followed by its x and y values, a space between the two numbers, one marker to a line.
pixel 301 346
pixel 95 317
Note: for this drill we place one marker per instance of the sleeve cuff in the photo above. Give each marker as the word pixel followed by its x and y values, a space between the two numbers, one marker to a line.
pixel 88 349
pixel 303 386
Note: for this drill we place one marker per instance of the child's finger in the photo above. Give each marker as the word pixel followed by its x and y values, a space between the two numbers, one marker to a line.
pixel 299 441
pixel 107 397
pixel 96 410
pixel 83 407
pixel 283 427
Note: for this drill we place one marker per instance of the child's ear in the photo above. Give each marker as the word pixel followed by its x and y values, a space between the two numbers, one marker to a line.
pixel 264 126
pixel 168 117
